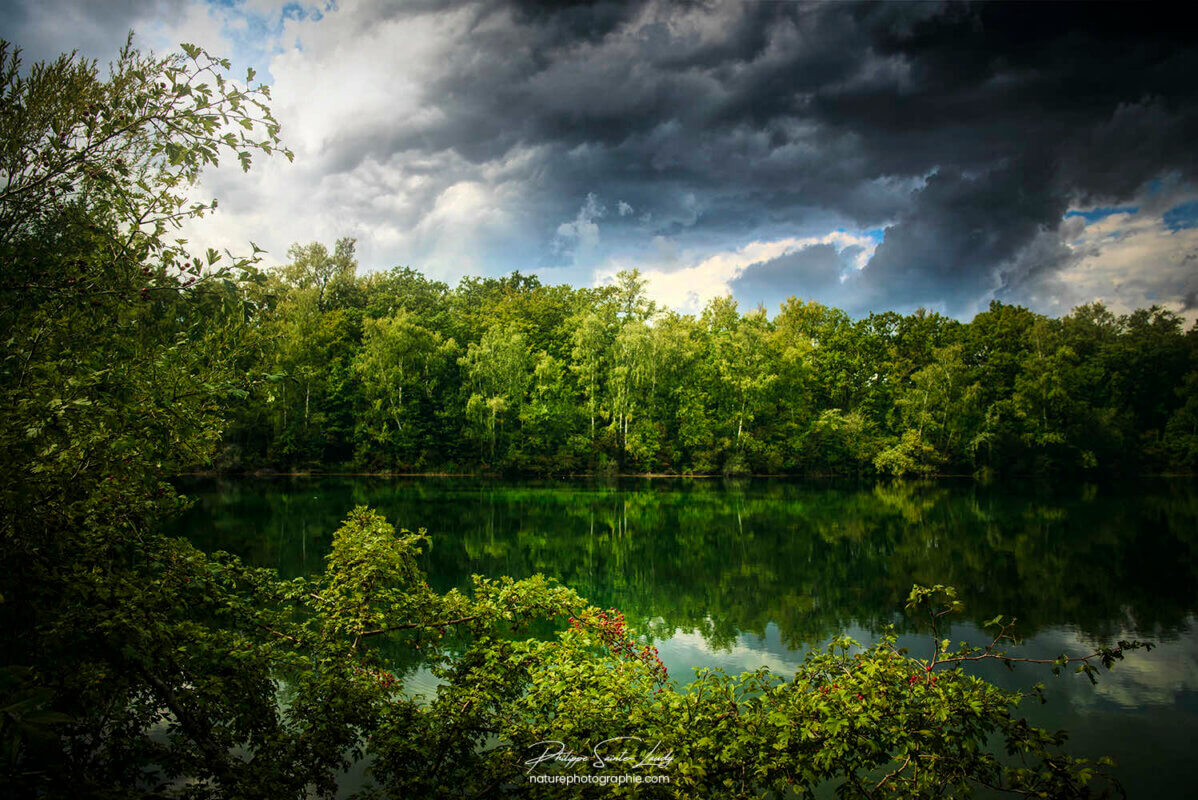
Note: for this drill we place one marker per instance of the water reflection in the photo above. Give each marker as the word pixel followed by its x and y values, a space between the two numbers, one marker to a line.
pixel 725 559
pixel 748 574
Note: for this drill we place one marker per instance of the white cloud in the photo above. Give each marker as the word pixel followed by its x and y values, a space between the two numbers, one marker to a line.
pixel 1126 260
pixel 201 25
pixel 684 650
pixel 464 215
pixel 1142 680
pixel 686 281
pixel 343 89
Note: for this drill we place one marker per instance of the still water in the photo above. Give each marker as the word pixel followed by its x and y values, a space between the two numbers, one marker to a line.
pixel 743 574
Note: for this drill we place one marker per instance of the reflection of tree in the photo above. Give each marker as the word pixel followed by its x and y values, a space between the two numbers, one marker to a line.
pixel 724 559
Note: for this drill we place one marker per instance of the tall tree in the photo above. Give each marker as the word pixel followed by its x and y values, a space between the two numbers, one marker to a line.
pixel 401 365
pixel 744 365
pixel 312 266
pixel 497 369
pixel 121 356
pixel 588 361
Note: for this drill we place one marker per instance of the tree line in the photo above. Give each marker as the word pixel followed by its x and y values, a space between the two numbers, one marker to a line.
pixel 391 370
pixel 138 665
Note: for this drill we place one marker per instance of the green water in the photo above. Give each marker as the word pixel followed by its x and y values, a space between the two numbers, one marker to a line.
pixel 743 574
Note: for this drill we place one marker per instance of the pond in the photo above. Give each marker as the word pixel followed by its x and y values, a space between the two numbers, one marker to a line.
pixel 740 574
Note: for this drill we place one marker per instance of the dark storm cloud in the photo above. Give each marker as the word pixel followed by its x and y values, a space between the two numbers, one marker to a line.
pixel 955 228
pixel 46 28
pixel 1023 110
pixel 813 271
pixel 966 130
pixel 767 113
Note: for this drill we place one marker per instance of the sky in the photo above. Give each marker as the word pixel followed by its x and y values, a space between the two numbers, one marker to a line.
pixel 868 156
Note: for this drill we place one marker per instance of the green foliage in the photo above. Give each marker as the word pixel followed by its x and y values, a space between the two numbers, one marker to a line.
pixel 498 370
pixel 123 351
pixel 140 665
pixel 909 456
pixel 637 389
pixel 123 150
pixel 401 366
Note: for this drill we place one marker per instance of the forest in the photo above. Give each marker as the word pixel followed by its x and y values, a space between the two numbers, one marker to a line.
pixel 137 664
pixel 392 371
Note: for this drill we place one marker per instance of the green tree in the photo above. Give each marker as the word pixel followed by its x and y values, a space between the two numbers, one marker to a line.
pixel 941 404
pixel 498 370
pixel 631 299
pixel 401 365
pixel 745 367
pixel 313 267
pixel 548 419
pixel 588 359
pixel 405 289
pixel 630 387
pixel 838 444
pixel 121 355
pixel 140 665
pixel 306 346
pixel 1182 428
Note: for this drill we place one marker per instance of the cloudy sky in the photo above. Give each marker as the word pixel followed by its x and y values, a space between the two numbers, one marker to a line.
pixel 869 156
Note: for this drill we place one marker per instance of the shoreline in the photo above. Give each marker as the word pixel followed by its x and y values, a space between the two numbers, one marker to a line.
pixel 652 475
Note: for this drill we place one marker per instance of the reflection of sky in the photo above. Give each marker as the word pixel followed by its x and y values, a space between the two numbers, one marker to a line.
pixel 1157 679
pixel 794 560
pixel 685 651
pixel 1143 713
pixel 1160 678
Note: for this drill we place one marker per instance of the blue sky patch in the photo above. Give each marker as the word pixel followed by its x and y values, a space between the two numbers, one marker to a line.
pixel 1182 216
pixel 1095 214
